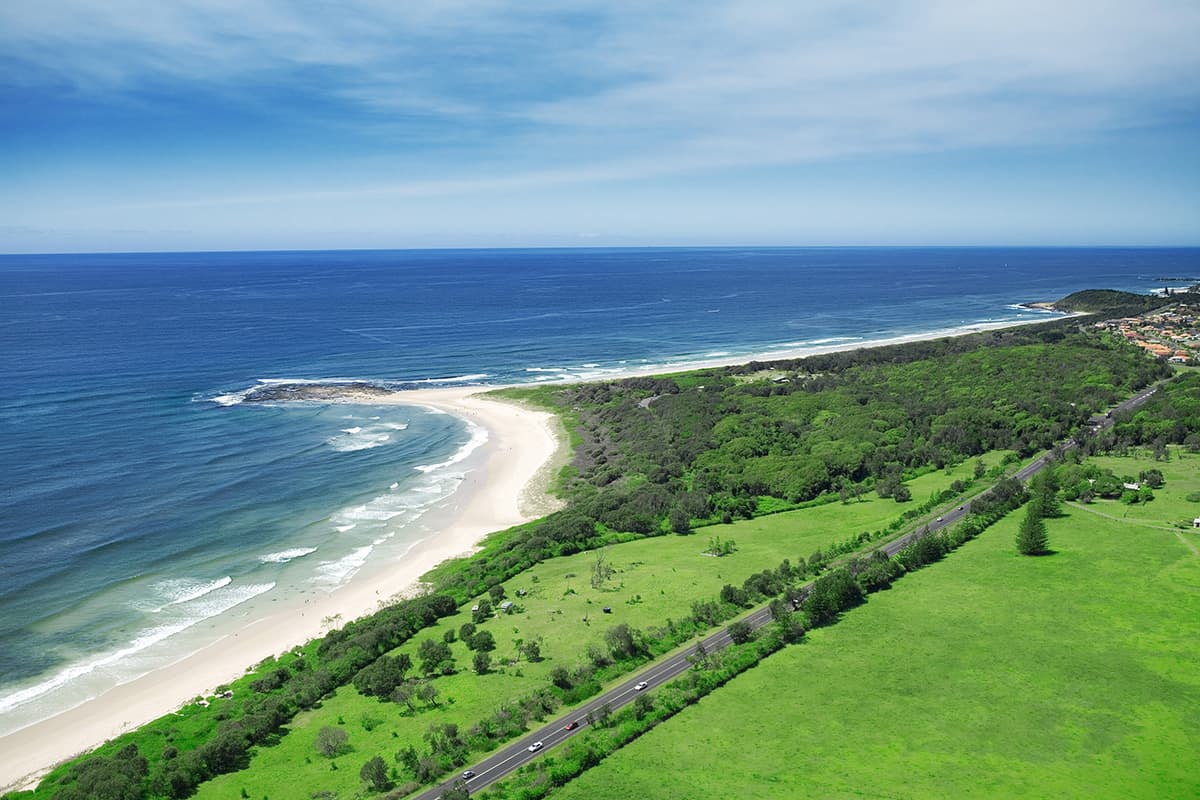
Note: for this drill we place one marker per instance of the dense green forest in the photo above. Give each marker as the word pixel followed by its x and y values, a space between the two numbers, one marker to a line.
pixel 667 453
pixel 664 454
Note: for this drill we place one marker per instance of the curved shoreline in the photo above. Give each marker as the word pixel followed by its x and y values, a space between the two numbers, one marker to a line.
pixel 505 485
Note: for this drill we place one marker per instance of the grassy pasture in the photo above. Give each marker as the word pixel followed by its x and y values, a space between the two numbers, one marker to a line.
pixel 987 675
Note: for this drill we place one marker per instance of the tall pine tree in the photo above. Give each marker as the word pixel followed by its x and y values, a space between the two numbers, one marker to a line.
pixel 1044 489
pixel 1031 536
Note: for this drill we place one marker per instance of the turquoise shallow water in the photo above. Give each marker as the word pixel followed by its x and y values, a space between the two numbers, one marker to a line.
pixel 142 505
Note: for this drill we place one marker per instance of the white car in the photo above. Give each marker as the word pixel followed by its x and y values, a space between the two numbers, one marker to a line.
pixel 533 748
pixel 640 686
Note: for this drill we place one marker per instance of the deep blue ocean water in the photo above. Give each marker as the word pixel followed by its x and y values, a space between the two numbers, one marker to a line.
pixel 136 507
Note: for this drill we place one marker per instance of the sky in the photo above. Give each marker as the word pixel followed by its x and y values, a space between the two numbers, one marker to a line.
pixel 141 125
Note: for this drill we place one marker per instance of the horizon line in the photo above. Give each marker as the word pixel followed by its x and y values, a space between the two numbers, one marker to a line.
pixel 453 248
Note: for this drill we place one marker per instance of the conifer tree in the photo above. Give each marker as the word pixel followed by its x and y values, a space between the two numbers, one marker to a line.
pixel 1031 536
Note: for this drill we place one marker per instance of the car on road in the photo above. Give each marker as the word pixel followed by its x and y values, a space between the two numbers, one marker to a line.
pixel 533 748
pixel 641 685
pixel 468 774
pixel 572 725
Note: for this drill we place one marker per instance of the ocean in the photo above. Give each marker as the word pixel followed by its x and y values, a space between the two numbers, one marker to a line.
pixel 144 506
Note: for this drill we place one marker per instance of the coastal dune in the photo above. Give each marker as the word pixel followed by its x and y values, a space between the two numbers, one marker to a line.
pixel 504 485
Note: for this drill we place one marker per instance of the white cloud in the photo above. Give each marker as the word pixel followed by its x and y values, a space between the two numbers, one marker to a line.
pixel 604 89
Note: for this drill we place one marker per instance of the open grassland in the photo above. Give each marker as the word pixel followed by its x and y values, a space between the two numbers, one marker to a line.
pixel 988 675
pixel 654 579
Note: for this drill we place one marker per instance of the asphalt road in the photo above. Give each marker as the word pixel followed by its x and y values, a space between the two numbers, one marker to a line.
pixel 517 754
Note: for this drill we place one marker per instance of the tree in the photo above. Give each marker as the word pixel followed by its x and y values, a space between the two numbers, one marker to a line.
pixel 601 571
pixel 331 741
pixel 482 663
pixel 427 693
pixel 482 641
pixel 1031 537
pixel 532 650
pixel 466 631
pixel 719 548
pixel 408 758
pixel 681 523
pixel 902 494
pixel 622 642
pixel 435 657
pixel 1152 478
pixel 643 705
pixel 561 678
pixel 383 676
pixel 374 773
pixel 404 693
pixel 458 791
pixel 1044 490
pixel 740 632
pixel 496 593
pixel 481 612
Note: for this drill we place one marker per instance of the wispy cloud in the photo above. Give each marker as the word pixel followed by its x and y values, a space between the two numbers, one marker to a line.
pixel 515 94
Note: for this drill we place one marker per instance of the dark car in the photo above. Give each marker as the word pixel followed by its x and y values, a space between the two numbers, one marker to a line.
pixel 572 725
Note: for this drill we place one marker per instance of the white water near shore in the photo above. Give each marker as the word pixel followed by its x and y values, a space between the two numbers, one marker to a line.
pixel 508 454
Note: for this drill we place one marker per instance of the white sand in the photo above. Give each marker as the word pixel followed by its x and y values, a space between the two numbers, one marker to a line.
pixel 505 486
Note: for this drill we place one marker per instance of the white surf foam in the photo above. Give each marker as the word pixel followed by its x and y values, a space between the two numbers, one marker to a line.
pixel 360 438
pixel 479 376
pixel 479 435
pixel 196 612
pixel 182 590
pixel 284 556
pixel 341 570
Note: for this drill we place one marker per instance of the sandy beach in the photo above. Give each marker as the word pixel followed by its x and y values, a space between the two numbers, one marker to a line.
pixel 504 485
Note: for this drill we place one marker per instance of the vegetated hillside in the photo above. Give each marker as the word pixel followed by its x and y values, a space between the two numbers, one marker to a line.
pixel 1115 303
pixel 988 675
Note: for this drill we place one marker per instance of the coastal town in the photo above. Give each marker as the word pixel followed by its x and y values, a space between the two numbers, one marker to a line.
pixel 1172 333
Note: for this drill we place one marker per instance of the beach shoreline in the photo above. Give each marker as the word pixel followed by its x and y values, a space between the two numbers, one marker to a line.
pixel 506 484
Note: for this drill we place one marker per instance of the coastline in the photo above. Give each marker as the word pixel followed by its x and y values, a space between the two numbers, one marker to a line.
pixel 505 485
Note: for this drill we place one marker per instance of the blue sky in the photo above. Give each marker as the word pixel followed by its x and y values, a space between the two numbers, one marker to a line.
pixel 227 124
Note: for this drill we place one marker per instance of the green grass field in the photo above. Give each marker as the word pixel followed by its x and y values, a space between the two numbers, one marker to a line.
pixel 986 675
pixel 655 579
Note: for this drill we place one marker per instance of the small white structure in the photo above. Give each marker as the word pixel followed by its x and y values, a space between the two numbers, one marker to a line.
pixel 1196 522
pixel 1133 487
